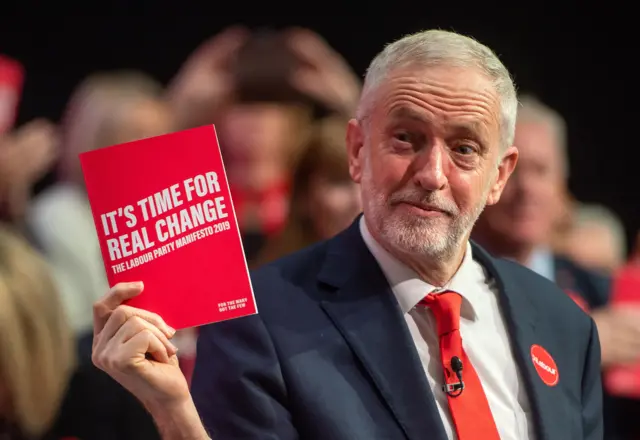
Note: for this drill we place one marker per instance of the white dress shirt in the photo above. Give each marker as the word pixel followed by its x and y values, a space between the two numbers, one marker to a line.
pixel 484 338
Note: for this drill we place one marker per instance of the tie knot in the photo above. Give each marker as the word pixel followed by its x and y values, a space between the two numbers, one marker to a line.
pixel 446 309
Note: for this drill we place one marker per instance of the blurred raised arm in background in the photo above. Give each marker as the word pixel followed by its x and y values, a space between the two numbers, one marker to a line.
pixel 26 154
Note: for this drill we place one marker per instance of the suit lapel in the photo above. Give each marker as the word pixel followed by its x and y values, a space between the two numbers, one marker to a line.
pixel 524 323
pixel 364 310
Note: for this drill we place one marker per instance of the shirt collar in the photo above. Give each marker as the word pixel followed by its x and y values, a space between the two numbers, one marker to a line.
pixel 409 288
pixel 541 261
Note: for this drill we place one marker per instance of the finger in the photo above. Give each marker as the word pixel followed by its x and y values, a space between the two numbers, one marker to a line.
pixel 313 49
pixel 623 355
pixel 627 320
pixel 122 314
pixel 630 331
pixel 626 308
pixel 111 300
pixel 220 47
pixel 149 343
pixel 625 339
pixel 35 127
pixel 42 154
pixel 308 81
pixel 132 327
pixel 142 325
pixel 134 351
pixel 624 342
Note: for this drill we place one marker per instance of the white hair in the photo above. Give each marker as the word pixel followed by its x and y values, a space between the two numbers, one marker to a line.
pixel 535 111
pixel 438 47
pixel 587 214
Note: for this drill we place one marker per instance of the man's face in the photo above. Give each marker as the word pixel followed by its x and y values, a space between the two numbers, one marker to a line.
pixel 530 204
pixel 429 158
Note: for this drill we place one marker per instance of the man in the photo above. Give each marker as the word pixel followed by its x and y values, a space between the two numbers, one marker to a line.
pixel 359 337
pixel 521 227
pixel 522 224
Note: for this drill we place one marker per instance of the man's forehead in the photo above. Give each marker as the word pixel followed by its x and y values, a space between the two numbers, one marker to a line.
pixel 436 86
pixel 402 111
pixel 463 124
pixel 451 79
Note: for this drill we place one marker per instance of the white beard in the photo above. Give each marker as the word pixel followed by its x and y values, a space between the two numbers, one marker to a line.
pixel 435 238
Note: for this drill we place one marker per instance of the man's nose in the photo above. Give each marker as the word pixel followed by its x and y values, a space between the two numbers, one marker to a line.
pixel 430 168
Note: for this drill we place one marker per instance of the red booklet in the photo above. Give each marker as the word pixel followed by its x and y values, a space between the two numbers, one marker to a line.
pixel 164 215
pixel 11 79
pixel 624 381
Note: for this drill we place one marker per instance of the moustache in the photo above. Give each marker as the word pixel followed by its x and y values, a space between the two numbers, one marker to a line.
pixel 424 200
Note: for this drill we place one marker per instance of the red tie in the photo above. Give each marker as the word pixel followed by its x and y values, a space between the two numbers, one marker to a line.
pixel 469 406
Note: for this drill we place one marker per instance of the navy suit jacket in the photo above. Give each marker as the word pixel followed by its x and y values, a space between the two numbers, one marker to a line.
pixel 330 357
pixel 592 287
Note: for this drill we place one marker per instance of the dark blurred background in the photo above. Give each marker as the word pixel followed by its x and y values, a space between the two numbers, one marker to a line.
pixel 577 58
pixel 98 74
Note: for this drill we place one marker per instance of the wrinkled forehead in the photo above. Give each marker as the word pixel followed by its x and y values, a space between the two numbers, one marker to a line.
pixel 438 93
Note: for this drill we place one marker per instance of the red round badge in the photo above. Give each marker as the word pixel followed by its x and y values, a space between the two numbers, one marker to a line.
pixel 545 365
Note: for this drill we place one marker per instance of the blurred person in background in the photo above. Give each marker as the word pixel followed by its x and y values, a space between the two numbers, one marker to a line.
pixel 106 109
pixel 263 91
pixel 595 239
pixel 44 393
pixel 293 62
pixel 521 223
pixel 259 141
pixel 325 200
pixel 26 154
pixel 521 227
pixel 204 84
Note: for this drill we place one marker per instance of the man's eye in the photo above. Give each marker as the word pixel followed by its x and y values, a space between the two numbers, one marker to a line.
pixel 403 137
pixel 465 149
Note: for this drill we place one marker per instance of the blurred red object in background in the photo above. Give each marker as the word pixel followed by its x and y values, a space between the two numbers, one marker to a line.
pixel 11 81
pixel 624 381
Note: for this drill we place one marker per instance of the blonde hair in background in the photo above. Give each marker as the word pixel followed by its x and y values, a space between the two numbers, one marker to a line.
pixel 95 104
pixel 37 350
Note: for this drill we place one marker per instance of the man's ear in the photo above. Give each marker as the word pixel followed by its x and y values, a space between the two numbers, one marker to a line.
pixel 505 169
pixel 355 142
